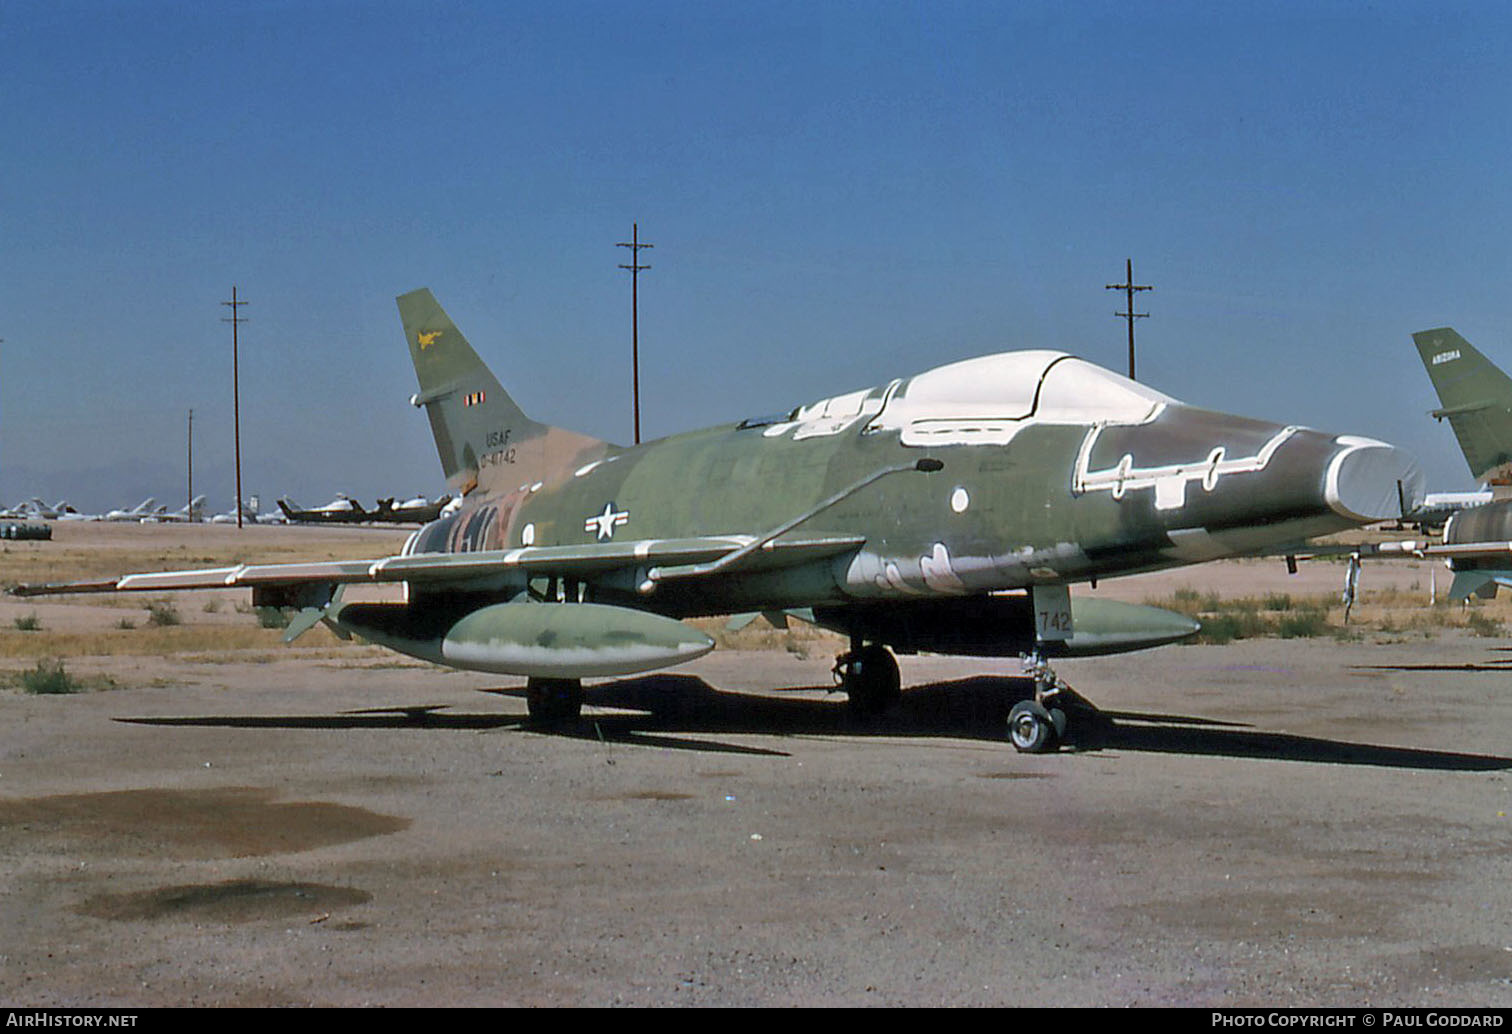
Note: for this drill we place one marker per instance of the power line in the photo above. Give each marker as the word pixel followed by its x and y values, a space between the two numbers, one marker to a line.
pixel 635 268
pixel 1129 287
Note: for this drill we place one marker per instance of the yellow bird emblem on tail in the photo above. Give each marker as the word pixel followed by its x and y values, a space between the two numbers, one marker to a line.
pixel 426 340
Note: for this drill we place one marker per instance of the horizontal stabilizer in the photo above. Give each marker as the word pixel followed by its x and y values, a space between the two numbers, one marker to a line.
pixel 1478 583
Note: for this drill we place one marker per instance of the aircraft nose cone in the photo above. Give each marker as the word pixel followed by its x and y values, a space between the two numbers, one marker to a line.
pixel 1371 481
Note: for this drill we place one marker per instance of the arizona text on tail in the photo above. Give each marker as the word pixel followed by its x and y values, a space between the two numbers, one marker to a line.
pixel 1476 398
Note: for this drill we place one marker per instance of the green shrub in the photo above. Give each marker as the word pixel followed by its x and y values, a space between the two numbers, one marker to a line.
pixel 273 617
pixel 48 677
pixel 1219 629
pixel 162 613
pixel 1303 624
pixel 1482 625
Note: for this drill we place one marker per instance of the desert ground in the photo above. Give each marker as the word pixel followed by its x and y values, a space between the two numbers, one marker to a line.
pixel 215 818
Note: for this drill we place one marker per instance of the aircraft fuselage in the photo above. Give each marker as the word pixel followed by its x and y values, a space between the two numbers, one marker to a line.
pixel 1054 491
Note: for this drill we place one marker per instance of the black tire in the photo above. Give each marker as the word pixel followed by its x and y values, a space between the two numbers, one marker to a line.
pixel 873 684
pixel 554 700
pixel 1031 729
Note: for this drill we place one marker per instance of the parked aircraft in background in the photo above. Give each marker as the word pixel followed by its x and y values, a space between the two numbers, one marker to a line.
pixel 144 510
pixel 191 513
pixel 947 512
pixel 1438 507
pixel 340 510
pixel 36 509
pixel 344 510
pixel 1475 396
pixel 418 510
pixel 250 514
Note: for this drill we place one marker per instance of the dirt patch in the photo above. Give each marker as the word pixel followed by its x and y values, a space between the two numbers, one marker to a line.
pixel 238 901
pixel 230 822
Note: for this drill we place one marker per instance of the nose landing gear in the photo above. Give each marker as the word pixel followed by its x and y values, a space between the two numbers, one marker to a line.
pixel 868 674
pixel 1036 726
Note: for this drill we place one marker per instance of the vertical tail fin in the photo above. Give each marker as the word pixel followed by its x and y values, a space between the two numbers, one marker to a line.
pixel 1476 398
pixel 483 438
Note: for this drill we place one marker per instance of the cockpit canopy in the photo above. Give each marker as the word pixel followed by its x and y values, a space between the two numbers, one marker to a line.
pixel 983 400
pixel 1050 386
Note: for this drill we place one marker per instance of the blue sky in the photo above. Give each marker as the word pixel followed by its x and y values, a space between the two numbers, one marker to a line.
pixel 838 193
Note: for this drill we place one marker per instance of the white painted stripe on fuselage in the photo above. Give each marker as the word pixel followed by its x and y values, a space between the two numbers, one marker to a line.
pixel 1169 480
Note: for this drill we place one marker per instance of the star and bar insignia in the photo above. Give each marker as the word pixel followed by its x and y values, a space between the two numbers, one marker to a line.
pixel 603 524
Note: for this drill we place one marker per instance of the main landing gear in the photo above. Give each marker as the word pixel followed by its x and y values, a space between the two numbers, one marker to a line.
pixel 869 676
pixel 554 700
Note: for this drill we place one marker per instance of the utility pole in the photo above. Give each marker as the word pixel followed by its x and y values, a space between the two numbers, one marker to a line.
pixel 236 320
pixel 635 268
pixel 190 511
pixel 1129 286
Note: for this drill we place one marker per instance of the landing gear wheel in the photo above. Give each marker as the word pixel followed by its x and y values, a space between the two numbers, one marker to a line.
pixel 554 700
pixel 870 678
pixel 1033 729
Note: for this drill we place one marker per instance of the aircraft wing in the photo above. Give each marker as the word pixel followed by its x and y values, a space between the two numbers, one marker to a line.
pixel 1419 549
pixel 1479 567
pixel 1481 572
pixel 1447 550
pixel 660 558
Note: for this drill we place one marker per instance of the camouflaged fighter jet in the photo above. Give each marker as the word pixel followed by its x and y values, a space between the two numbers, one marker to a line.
pixel 1476 399
pixel 945 512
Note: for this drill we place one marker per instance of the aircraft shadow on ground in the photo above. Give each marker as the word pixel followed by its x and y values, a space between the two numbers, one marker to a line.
pixel 683 712
pixel 1500 664
pixel 429 716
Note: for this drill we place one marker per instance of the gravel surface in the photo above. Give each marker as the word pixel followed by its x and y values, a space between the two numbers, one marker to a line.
pixel 1303 822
